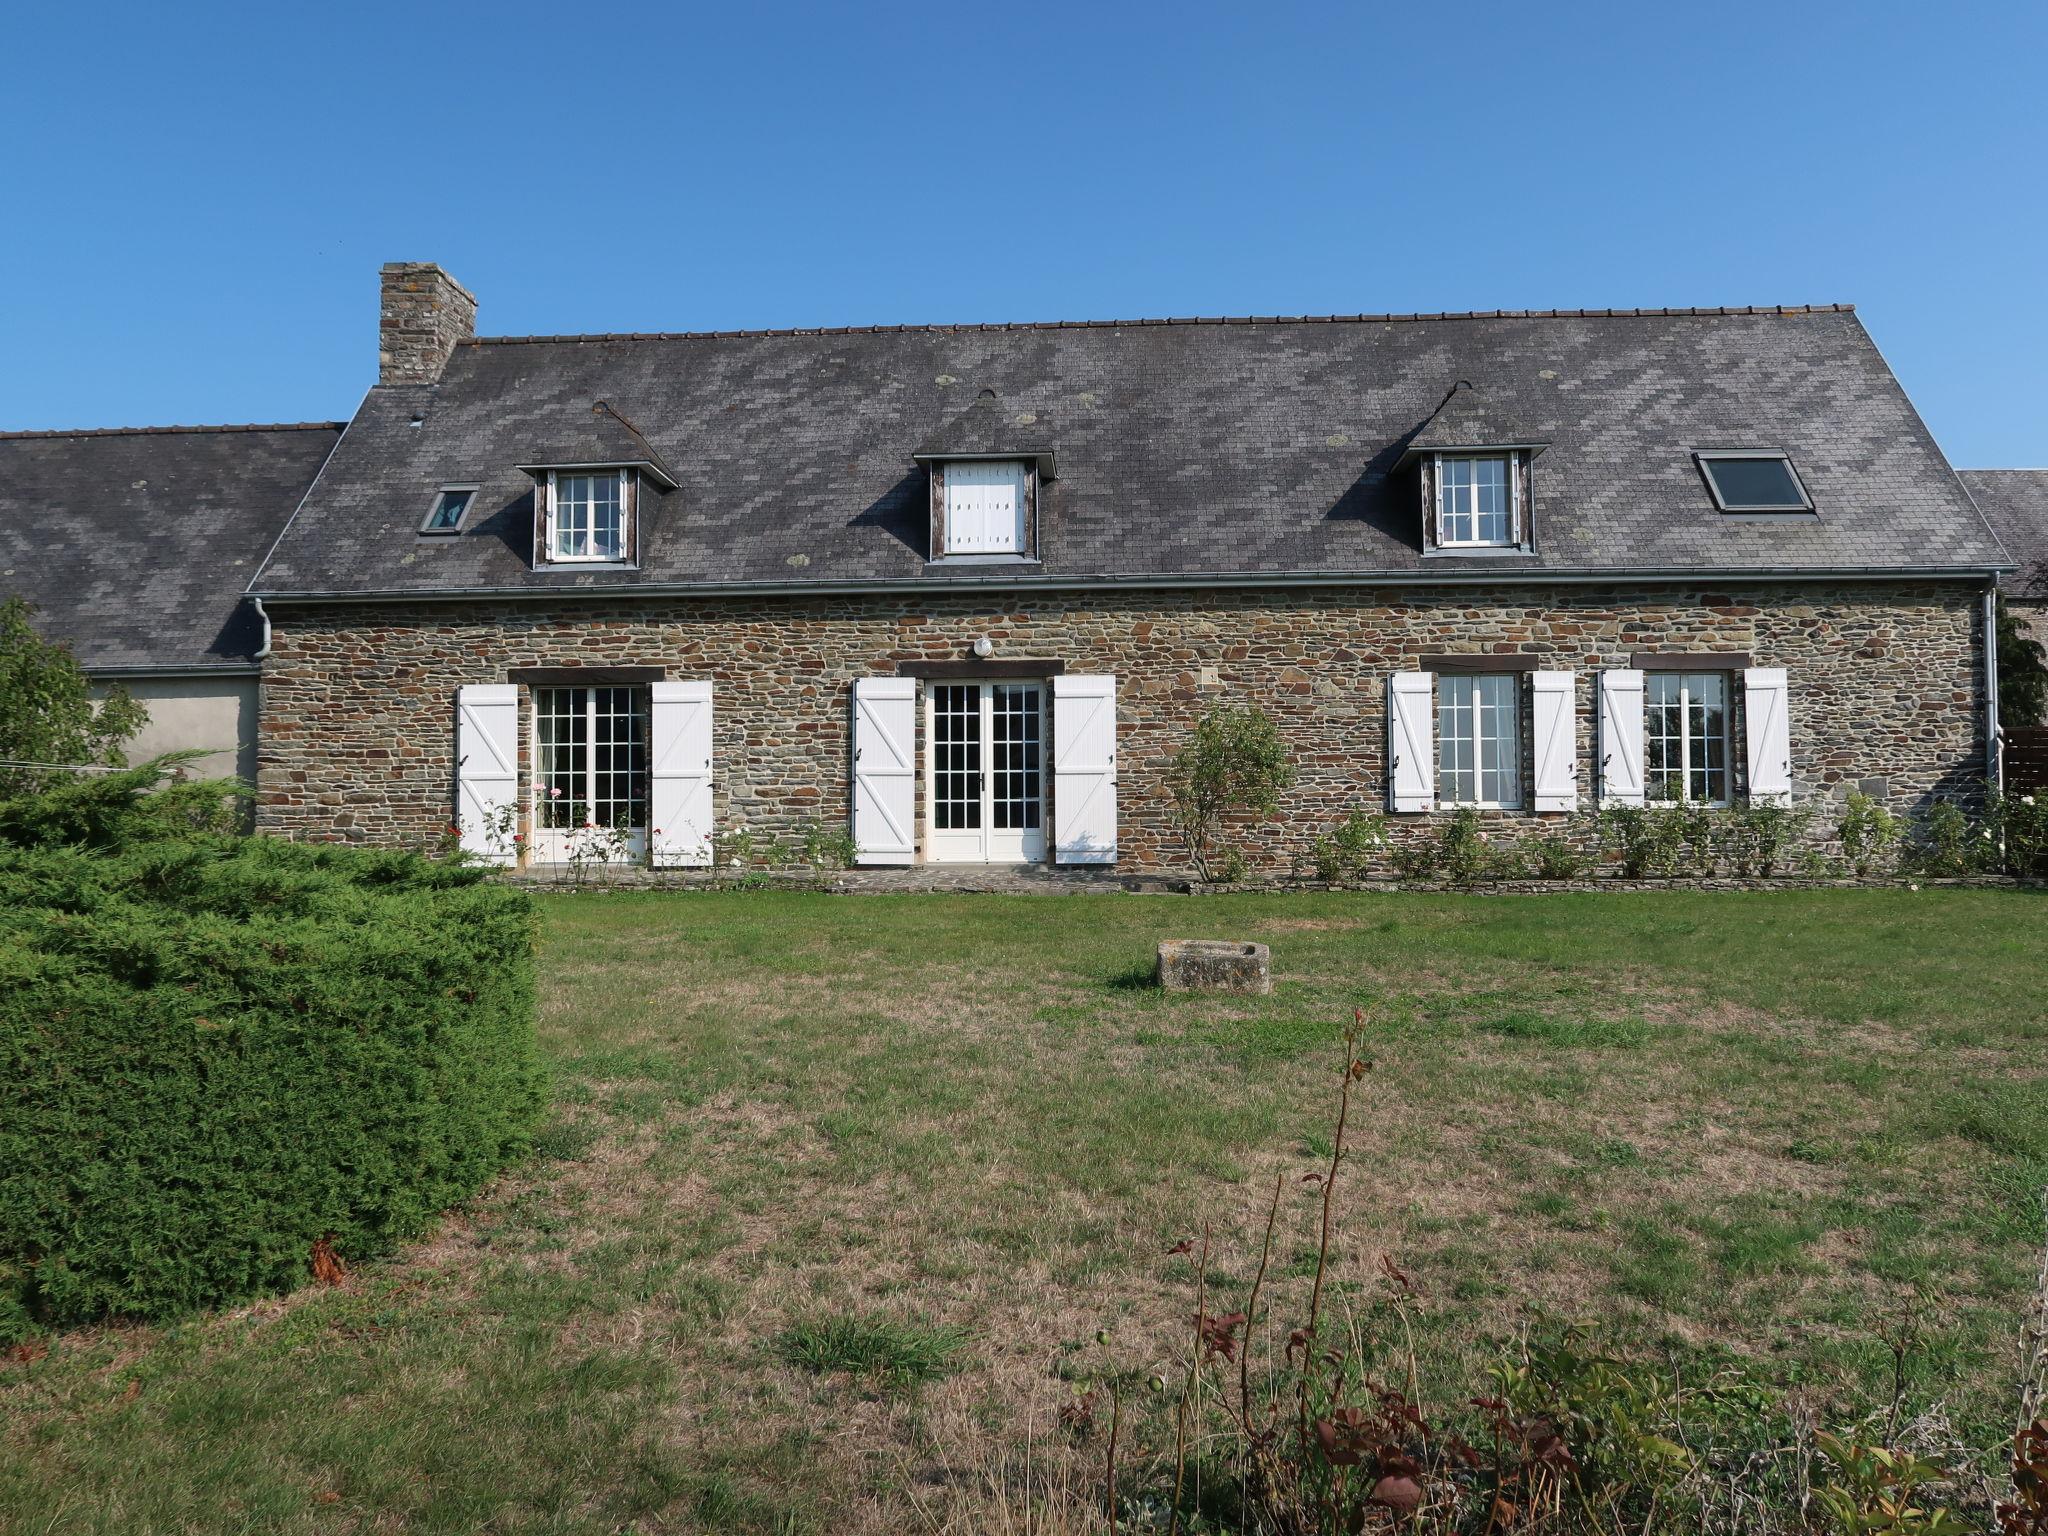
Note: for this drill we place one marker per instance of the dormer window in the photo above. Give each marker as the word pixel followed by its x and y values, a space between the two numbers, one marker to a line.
pixel 985 504
pixel 1477 501
pixel 1754 481
pixel 450 503
pixel 589 516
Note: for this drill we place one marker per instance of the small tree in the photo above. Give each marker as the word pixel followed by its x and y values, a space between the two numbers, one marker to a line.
pixel 47 712
pixel 2022 661
pixel 1235 763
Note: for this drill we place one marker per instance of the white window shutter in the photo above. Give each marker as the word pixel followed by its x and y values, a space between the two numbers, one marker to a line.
pixel 984 508
pixel 884 770
pixel 1769 733
pixel 1084 769
pixel 679 818
pixel 1411 741
pixel 487 768
pixel 1621 736
pixel 1554 728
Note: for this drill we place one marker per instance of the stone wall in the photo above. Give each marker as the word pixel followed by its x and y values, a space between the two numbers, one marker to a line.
pixel 358 712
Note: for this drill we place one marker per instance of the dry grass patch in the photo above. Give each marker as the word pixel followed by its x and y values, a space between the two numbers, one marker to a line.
pixel 780 1115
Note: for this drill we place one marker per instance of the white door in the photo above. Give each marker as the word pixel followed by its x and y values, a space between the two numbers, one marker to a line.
pixel 985 773
pixel 590 775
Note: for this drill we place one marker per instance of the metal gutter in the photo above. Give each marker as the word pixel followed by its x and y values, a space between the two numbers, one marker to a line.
pixel 921 585
pixel 173 669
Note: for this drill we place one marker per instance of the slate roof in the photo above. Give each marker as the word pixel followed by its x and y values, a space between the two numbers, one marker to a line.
pixel 2015 503
pixel 598 435
pixel 136 544
pixel 1241 449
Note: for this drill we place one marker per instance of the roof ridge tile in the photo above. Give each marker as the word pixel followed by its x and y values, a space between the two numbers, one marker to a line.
pixel 259 426
pixel 970 327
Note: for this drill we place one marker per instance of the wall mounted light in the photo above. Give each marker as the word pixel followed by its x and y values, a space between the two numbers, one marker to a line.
pixel 984 647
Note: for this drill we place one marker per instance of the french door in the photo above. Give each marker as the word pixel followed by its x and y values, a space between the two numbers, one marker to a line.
pixel 589 775
pixel 985 773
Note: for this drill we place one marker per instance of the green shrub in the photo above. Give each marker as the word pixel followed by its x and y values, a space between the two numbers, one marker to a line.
pixel 1649 840
pixel 1946 844
pixel 1345 852
pixel 1554 856
pixel 1235 763
pixel 215 1052
pixel 1869 833
pixel 2019 823
pixel 1761 839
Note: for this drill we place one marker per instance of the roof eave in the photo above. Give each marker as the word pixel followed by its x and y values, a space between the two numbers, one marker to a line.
pixel 651 468
pixel 1490 575
pixel 1043 458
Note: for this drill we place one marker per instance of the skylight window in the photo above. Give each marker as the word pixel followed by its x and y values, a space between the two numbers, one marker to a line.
pixel 1754 482
pixel 450 502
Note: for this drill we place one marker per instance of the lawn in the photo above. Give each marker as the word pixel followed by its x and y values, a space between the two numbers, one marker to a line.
pixel 843 1195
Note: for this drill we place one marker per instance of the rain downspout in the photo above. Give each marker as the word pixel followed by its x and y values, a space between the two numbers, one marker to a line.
pixel 1994 734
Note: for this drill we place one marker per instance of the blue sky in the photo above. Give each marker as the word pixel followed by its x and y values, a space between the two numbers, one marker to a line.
pixel 201 195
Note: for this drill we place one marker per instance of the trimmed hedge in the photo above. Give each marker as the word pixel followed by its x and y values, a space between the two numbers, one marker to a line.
pixel 216 1051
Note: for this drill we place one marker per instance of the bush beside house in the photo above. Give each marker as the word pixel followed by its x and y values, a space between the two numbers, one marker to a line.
pixel 217 1053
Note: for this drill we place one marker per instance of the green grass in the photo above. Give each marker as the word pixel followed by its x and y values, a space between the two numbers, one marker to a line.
pixel 804 1146
pixel 902 1353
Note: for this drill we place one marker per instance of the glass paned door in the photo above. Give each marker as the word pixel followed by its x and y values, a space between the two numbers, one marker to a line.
pixel 987 773
pixel 589 775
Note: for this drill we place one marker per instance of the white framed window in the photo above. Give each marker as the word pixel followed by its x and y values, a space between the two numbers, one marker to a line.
pixel 450 503
pixel 588 513
pixel 1685 737
pixel 1475 500
pixel 1479 740
pixel 589 772
pixel 985 506
pixel 1754 481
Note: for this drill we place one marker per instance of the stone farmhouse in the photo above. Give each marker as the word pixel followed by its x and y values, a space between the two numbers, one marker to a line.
pixel 962 590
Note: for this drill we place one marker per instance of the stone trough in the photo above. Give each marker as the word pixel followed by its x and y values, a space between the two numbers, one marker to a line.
pixel 1214 965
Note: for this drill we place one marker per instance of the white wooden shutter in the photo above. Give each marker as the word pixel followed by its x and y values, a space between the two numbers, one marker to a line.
pixel 679 774
pixel 1411 741
pixel 487 768
pixel 1621 736
pixel 984 508
pixel 1769 733
pixel 1084 769
pixel 884 769
pixel 1554 728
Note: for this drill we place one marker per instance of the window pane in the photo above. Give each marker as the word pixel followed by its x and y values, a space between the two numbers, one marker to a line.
pixel 1479 741
pixel 1766 484
pixel 449 509
pixel 1475 501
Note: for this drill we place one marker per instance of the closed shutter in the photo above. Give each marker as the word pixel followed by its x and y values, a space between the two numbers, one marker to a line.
pixel 487 769
pixel 1084 770
pixel 984 509
pixel 884 769
pixel 1411 741
pixel 679 774
pixel 1621 736
pixel 1768 734
pixel 1554 729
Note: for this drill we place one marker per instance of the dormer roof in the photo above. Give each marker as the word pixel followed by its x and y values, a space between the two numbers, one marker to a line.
pixel 599 438
pixel 1470 418
pixel 986 431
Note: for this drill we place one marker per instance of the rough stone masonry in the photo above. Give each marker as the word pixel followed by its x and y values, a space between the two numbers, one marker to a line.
pixel 358 715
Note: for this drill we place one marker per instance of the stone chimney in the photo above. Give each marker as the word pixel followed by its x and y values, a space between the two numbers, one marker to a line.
pixel 424 313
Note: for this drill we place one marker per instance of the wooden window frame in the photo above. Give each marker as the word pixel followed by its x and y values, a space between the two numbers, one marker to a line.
pixel 629 516
pixel 1512 460
pixel 937 480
